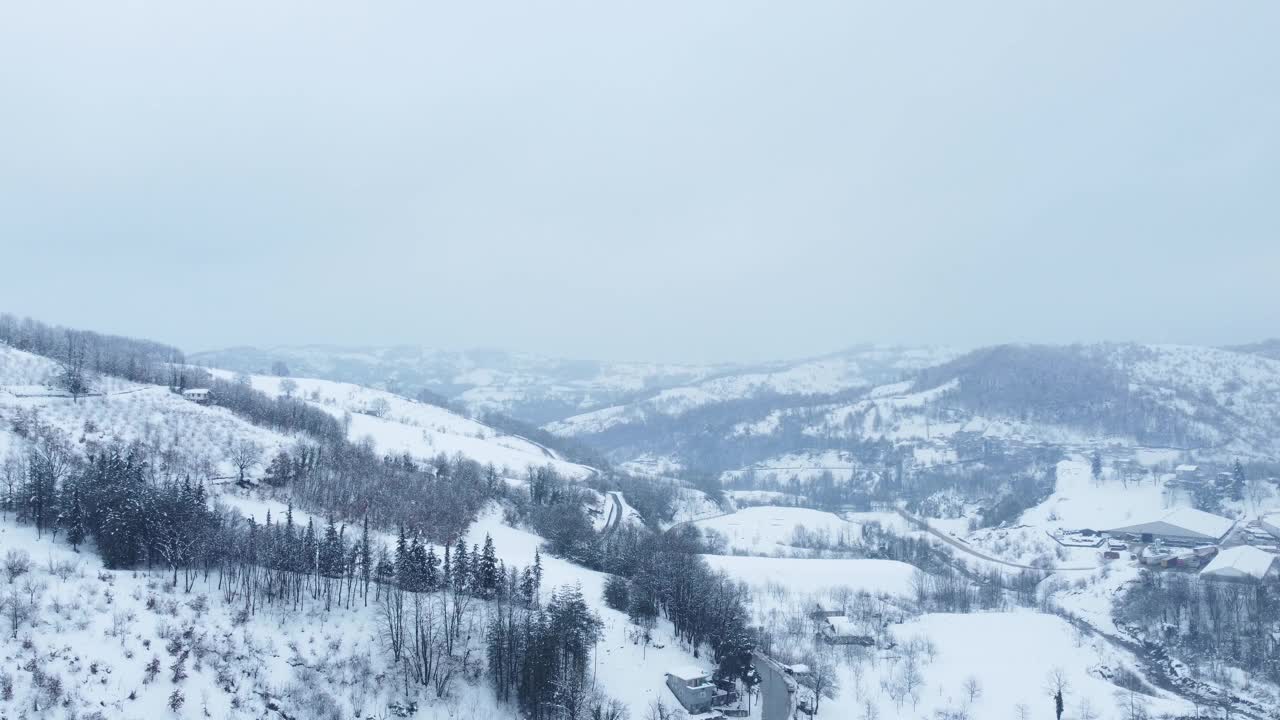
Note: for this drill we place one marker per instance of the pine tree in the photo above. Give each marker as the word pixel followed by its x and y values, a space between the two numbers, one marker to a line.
pixel 74 515
pixel 536 577
pixel 461 566
pixel 403 560
pixel 1237 480
pixel 366 559
pixel 431 571
pixel 488 569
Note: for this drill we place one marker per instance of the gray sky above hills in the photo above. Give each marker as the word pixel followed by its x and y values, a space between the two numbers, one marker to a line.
pixel 661 180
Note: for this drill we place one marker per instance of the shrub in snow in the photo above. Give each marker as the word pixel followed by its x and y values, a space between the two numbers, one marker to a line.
pixel 16 564
pixel 617 593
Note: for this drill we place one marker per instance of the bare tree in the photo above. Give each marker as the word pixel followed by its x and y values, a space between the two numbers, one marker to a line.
pixel 16 610
pixel 1258 491
pixel 1057 686
pixel 72 374
pixel 244 454
pixel 12 473
pixel 288 387
pixel 972 688
pixel 823 678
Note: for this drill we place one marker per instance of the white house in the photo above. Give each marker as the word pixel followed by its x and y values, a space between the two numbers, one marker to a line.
pixel 1180 526
pixel 1242 563
pixel 199 395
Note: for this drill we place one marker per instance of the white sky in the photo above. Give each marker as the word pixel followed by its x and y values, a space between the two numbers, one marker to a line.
pixel 718 179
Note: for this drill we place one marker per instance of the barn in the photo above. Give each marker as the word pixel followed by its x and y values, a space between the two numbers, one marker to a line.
pixel 1242 563
pixel 1181 526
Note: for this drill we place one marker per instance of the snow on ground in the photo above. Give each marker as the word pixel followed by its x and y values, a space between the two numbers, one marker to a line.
pixel 820 576
pixel 745 498
pixel 770 531
pixel 1080 502
pixel 627 672
pixel 1011 655
pixel 693 505
pixel 99 629
pixel 26 374
pixel 1092 597
pixel 151 415
pixel 799 466
pixel 399 425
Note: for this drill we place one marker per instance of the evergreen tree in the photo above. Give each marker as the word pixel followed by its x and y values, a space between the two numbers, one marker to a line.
pixel 461 566
pixel 431 570
pixel 1237 480
pixel 74 515
pixel 366 559
pixel 488 569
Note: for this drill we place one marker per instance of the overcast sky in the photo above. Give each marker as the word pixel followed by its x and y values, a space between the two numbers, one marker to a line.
pixel 692 180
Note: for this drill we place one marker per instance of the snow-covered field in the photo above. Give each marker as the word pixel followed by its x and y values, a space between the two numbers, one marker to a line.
pixel 820 576
pixel 770 531
pixel 1011 657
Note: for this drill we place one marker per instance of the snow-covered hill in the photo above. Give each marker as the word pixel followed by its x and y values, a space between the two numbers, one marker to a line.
pixel 530 387
pixel 197 439
pixel 1200 401
pixel 397 425
pixel 545 390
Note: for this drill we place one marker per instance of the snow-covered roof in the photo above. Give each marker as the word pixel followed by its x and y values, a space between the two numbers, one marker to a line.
pixel 1184 523
pixel 1271 523
pixel 195 391
pixel 1241 561
pixel 1186 468
pixel 841 625
pixel 688 673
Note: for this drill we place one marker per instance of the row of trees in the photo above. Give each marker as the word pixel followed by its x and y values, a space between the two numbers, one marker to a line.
pixel 1215 622
pixel 82 354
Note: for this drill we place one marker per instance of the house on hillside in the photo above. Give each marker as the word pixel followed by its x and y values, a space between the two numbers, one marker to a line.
pixel 1181 526
pixel 822 612
pixel 841 630
pixel 692 686
pixel 196 395
pixel 1242 563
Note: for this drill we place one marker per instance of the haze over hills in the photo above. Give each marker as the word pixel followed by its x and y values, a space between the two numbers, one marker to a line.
pixel 540 389
pixel 1186 398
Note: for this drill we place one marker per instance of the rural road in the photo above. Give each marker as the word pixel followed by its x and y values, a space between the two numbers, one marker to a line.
pixel 923 525
pixel 615 513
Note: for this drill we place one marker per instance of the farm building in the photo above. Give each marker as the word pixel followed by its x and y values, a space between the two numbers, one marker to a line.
pixel 1242 563
pixel 1160 555
pixel 692 686
pixel 1181 526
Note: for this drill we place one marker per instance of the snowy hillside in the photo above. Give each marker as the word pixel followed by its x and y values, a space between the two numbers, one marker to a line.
pixel 399 425
pixel 840 372
pixel 117 410
pixel 526 386
pixel 1204 402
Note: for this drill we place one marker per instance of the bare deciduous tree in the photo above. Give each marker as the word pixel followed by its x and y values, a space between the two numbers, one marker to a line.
pixel 244 454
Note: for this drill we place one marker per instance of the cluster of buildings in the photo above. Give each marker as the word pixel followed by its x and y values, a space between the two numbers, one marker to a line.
pixel 1189 539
